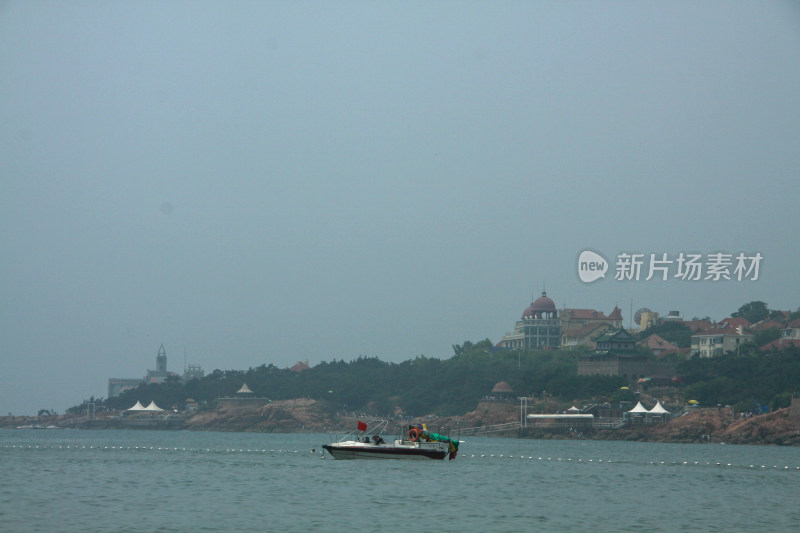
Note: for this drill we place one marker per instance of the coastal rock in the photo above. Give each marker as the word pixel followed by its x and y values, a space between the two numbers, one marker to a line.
pixel 288 416
pixel 490 413
pixel 307 415
pixel 773 428
pixel 716 425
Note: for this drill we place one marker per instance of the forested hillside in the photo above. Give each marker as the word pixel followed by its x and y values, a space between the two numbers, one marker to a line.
pixel 453 386
pixel 767 378
pixel 417 386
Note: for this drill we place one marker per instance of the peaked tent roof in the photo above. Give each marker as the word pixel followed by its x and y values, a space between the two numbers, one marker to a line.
pixel 638 409
pixel 244 390
pixel 137 407
pixel 658 409
pixel 152 407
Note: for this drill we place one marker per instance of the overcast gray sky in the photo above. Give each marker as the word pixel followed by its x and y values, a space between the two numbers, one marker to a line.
pixel 268 182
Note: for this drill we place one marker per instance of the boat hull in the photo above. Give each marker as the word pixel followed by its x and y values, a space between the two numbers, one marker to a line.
pixel 356 451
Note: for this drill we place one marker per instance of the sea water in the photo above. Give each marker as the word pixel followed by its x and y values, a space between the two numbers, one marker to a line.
pixel 71 481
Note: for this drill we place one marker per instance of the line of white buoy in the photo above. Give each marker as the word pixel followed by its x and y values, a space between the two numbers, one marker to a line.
pixel 608 461
pixel 317 451
pixel 147 448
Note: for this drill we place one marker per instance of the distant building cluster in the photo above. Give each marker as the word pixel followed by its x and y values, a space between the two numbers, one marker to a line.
pixel 544 327
pixel 117 386
pixel 615 355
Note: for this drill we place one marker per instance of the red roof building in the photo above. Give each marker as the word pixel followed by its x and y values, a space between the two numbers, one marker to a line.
pixel 542 307
pixel 300 366
pixel 698 325
pixel 543 326
pixel 792 330
pixel 539 327
pixel 766 324
pixel 658 345
pixel 780 344
pixel 583 335
pixel 734 322
pixel 573 319
pixel 725 337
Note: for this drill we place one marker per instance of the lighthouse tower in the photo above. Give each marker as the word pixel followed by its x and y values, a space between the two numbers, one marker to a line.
pixel 161 360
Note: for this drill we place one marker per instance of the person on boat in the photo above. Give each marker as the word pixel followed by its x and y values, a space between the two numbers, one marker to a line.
pixel 378 439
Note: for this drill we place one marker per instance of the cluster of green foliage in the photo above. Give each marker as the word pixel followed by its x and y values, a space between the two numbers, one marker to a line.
pixel 756 311
pixel 753 312
pixel 765 378
pixel 765 336
pixel 418 386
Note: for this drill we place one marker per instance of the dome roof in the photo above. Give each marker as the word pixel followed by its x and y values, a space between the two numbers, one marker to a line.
pixel 540 304
pixel 502 386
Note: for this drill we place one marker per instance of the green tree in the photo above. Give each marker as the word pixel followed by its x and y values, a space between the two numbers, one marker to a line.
pixel 753 312
pixel 461 349
pixel 781 400
pixel 623 395
pixel 729 379
pixel 764 336
pixel 484 346
pixel 777 316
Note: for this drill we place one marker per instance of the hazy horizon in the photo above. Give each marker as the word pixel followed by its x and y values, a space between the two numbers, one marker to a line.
pixel 263 183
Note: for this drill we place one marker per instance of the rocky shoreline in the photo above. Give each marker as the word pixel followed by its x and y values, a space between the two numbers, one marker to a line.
pixel 311 416
pixel 720 426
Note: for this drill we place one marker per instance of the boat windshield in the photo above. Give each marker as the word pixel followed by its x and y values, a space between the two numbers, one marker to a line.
pixel 374 428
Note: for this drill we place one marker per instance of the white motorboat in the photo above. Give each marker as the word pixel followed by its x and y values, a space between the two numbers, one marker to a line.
pixel 367 442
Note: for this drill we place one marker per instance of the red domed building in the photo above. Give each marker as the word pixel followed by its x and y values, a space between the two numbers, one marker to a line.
pixel 538 329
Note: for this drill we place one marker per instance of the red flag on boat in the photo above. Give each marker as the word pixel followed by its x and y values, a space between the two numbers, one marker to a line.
pixel 362 426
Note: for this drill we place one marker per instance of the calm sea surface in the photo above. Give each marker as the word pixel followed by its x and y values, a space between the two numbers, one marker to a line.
pixel 70 481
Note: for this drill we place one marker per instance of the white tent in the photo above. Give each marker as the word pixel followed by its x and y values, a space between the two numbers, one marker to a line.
pixel 152 407
pixel 639 408
pixel 244 390
pixel 137 407
pixel 573 409
pixel 658 410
